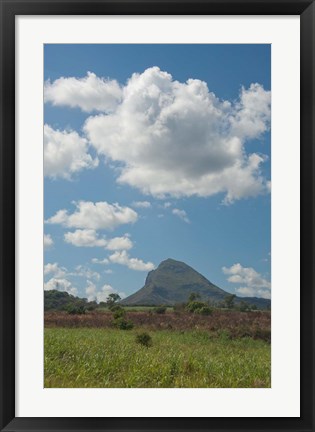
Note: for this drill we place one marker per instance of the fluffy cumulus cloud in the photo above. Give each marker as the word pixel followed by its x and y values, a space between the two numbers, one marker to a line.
pixel 253 284
pixel 181 214
pixel 65 153
pixel 53 268
pixel 84 238
pixel 93 294
pixel 48 241
pixel 119 243
pixel 94 216
pixel 90 93
pixel 60 285
pixel 90 291
pixel 122 257
pixel 90 238
pixel 178 139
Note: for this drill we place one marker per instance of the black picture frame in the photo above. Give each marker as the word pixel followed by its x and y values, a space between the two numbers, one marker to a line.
pixel 9 10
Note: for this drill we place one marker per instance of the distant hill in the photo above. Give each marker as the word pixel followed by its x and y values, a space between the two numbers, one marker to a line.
pixel 173 281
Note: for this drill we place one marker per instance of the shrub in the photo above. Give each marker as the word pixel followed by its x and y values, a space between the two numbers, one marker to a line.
pixel 115 308
pixel 160 310
pixel 179 308
pixel 144 339
pixel 263 334
pixel 194 306
pixel 224 335
pixel 229 301
pixel 244 307
pixel 123 324
pixel 119 313
pixel 204 310
pixel 76 310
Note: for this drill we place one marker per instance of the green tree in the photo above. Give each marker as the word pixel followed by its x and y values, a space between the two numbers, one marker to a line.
pixel 229 301
pixel 112 299
pixel 244 306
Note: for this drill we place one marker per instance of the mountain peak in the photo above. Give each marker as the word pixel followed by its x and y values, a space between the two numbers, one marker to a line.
pixel 173 281
pixel 170 262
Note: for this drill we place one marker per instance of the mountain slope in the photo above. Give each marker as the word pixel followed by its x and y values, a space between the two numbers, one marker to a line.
pixel 173 281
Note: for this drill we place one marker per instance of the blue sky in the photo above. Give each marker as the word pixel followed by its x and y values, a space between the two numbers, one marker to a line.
pixel 155 152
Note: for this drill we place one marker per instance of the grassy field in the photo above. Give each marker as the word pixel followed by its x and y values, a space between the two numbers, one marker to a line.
pixel 106 357
pixel 256 325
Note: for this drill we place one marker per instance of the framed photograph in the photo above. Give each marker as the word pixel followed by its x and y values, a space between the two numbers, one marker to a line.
pixel 157 215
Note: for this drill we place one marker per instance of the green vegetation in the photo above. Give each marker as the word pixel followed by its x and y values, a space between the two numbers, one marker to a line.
pixel 146 308
pixel 55 300
pixel 95 357
pixel 160 310
pixel 256 325
pixel 112 299
pixel 229 301
pixel 58 300
pixel 195 306
pixel 75 310
pixel 193 334
pixel 123 324
pixel 120 321
pixel 144 339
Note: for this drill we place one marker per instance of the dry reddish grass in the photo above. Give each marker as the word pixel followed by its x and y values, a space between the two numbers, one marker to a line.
pixel 235 324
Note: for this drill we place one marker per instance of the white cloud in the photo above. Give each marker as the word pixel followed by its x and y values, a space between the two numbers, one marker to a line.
pixel 105 291
pixel 123 258
pixel 108 271
pixel 84 238
pixel 86 272
pixel 253 292
pixel 54 269
pixel 99 215
pixel 90 238
pixel 100 296
pixel 60 285
pixel 65 153
pixel 181 214
pixel 252 112
pixel 119 243
pixel 167 204
pixel 178 139
pixel 61 272
pixel 141 204
pixel 89 93
pixel 255 284
pixel 90 291
pixel 48 241
pixel 99 261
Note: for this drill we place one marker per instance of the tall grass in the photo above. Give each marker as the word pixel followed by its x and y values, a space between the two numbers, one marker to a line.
pixel 85 357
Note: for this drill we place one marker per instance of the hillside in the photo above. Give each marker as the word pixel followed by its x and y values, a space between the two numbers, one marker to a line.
pixel 173 281
pixel 61 300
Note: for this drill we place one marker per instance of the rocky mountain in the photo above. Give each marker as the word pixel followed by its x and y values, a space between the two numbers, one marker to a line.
pixel 173 281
